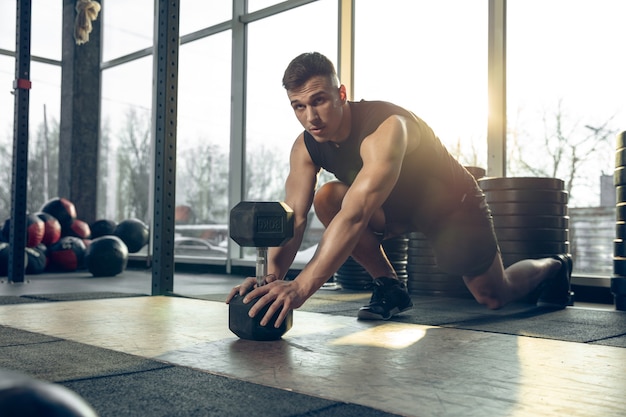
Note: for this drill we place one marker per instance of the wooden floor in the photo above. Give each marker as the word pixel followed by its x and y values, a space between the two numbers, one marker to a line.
pixel 408 369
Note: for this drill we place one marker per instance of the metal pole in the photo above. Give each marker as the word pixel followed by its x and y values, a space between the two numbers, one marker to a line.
pixel 164 119
pixel 496 129
pixel 19 181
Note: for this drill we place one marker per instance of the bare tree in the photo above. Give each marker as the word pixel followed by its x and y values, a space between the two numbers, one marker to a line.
pixel 204 176
pixel 266 172
pixel 134 167
pixel 564 150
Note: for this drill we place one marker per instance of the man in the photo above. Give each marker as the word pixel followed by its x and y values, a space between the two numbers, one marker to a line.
pixel 393 176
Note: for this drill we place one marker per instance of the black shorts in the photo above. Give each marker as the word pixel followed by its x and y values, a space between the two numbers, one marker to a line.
pixel 464 242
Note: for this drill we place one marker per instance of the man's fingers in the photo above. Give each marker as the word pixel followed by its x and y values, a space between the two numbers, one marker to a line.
pixel 241 289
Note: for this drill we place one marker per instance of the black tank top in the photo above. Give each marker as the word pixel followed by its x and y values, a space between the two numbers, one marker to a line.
pixel 432 183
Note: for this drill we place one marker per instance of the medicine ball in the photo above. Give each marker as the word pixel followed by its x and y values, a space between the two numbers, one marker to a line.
pixel 62 209
pixel 37 259
pixel 134 233
pixel 102 227
pixel 52 228
pixel 23 396
pixel 4 259
pixel 78 228
pixel 68 254
pixel 35 229
pixel 106 256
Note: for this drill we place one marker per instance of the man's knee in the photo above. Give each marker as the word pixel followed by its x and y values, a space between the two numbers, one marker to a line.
pixel 327 200
pixel 488 288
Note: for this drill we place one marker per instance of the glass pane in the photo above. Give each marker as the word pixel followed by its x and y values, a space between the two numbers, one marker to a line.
pixel 271 125
pixel 199 14
pixel 8 11
pixel 44 120
pixel 128 27
pixel 46 29
pixel 203 147
pixel 123 190
pixel 254 5
pixel 565 106
pixel 267 103
pixel 430 61
pixel 44 116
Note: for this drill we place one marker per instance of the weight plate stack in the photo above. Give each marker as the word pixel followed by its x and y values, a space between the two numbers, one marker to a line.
pixel 425 277
pixel 351 275
pixel 530 216
pixel 618 280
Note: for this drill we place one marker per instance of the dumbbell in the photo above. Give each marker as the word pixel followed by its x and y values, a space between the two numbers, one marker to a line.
pixel 259 224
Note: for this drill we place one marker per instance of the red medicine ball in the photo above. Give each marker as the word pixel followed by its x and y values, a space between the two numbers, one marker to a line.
pixel 61 208
pixel 52 229
pixel 67 254
pixel 78 228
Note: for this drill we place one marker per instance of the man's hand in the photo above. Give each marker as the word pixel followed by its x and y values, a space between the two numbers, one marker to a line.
pixel 282 296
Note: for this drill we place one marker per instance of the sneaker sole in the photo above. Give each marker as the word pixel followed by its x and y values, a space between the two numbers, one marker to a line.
pixel 367 315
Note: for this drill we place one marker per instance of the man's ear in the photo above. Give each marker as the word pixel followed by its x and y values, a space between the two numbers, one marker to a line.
pixel 342 93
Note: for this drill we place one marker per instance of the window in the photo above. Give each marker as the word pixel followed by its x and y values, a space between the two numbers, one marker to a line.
pixel 564 109
pixel 203 142
pixel 431 58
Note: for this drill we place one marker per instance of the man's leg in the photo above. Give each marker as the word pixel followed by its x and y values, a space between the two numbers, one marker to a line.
pixel 497 286
pixel 368 252
pixel 390 296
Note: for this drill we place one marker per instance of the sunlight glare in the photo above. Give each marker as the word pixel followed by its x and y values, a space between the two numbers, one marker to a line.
pixel 388 336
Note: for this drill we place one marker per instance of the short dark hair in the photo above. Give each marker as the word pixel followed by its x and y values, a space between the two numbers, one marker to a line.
pixel 305 66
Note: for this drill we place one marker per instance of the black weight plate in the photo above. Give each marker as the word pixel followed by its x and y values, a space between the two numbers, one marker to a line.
pixel 619 248
pixel 620 230
pixel 619 267
pixel 528 209
pixel 620 157
pixel 436 278
pixel 619 176
pixel 527 196
pixel 423 269
pixel 477 172
pixel 620 303
pixel 520 183
pixel 426 252
pixel 554 235
pixel 618 285
pixel 510 259
pixel 548 222
pixel 620 211
pixel 436 286
pixel 422 260
pixel 621 140
pixel 531 248
pixel 419 245
pixel 620 193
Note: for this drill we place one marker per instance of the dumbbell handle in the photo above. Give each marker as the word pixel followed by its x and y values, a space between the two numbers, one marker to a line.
pixel 261 265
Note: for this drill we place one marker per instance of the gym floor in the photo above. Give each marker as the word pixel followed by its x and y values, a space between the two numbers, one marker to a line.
pixel 447 357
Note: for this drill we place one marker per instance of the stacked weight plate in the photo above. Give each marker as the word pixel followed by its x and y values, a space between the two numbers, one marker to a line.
pixel 425 277
pixel 530 216
pixel 351 275
pixel 618 281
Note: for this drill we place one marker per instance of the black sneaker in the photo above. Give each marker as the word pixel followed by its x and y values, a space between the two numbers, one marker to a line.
pixel 556 292
pixel 389 298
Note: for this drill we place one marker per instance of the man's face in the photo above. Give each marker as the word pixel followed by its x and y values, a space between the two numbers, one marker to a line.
pixel 318 107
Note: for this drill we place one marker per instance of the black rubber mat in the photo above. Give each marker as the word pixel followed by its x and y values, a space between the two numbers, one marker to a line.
pixel 119 384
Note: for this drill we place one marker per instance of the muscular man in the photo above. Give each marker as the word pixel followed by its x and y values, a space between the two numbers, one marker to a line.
pixel 394 176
